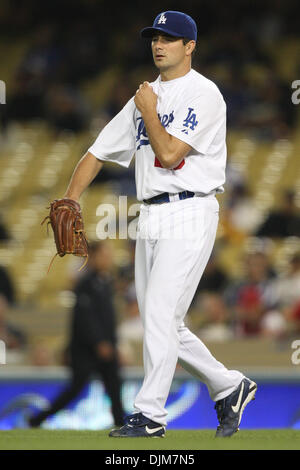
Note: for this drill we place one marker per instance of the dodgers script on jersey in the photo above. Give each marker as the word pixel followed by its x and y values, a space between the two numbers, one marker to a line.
pixel 190 108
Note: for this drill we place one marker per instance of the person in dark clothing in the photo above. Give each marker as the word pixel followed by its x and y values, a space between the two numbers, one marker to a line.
pixel 214 278
pixel 283 222
pixel 12 335
pixel 93 336
pixel 7 288
pixel 4 232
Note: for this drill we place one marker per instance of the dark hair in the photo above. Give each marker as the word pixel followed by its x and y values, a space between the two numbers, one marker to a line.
pixel 185 41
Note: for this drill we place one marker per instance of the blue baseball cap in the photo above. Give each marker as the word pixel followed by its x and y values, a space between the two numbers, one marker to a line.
pixel 173 23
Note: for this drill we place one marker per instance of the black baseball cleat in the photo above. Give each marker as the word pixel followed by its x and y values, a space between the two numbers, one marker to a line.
pixel 230 409
pixel 137 425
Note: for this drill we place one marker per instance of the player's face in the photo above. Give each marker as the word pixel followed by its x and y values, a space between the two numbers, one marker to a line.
pixel 167 51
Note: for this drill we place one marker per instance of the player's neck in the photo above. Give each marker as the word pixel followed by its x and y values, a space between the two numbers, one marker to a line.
pixel 174 72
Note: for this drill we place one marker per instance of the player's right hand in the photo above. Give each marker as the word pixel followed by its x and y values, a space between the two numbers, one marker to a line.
pixel 145 98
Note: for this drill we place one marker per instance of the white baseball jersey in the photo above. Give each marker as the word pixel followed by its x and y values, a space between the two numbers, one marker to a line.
pixel 190 108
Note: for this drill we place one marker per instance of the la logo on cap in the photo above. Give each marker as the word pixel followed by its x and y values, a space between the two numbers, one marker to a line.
pixel 162 19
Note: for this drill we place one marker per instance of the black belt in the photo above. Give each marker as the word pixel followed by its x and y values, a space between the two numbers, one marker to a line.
pixel 165 197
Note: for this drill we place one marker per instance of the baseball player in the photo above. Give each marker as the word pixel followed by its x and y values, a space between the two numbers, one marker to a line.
pixel 176 127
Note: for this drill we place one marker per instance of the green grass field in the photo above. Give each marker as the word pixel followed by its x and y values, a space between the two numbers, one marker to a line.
pixel 186 440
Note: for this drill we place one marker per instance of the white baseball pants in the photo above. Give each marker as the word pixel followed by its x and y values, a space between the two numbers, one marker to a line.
pixel 174 243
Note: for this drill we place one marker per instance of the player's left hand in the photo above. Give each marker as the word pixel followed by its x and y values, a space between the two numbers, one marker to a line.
pixel 145 98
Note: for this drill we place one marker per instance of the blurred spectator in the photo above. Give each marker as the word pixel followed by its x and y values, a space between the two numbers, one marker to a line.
pixel 215 319
pixel 284 294
pixel 214 278
pixel 126 272
pixel 247 298
pixel 7 288
pixel 25 102
pixel 285 290
pixel 124 178
pixel 208 313
pixel 120 94
pixel 13 337
pixel 271 114
pixel 42 81
pixel 84 44
pixel 36 70
pixel 284 221
pixel 93 344
pixel 41 355
pixel 44 56
pixel 234 176
pixel 4 233
pixel 65 108
pixel 240 216
pixel 293 318
pixel 130 328
pixel 238 93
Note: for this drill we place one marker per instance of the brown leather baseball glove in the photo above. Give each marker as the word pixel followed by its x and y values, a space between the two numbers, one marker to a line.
pixel 67 224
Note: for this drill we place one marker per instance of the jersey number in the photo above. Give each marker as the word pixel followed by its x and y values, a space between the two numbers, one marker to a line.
pixel 159 165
